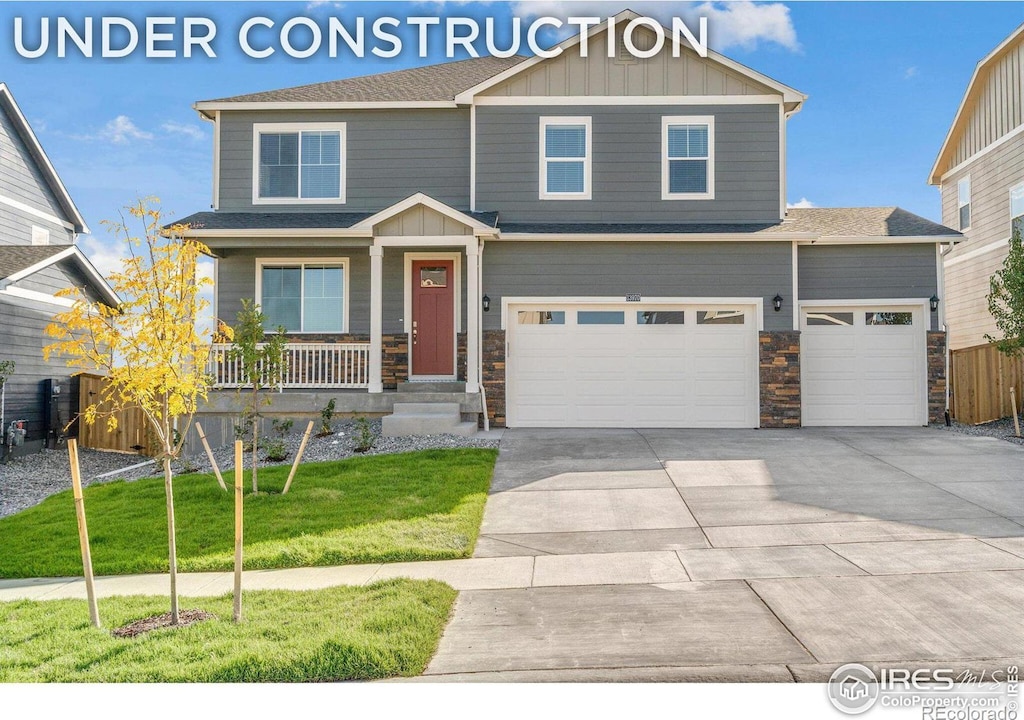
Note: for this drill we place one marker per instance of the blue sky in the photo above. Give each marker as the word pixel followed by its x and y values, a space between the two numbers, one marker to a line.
pixel 884 81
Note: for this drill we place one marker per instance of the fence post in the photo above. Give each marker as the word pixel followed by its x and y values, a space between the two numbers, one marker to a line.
pixel 83 532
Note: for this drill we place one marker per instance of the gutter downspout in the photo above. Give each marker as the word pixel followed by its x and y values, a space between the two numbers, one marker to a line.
pixel 480 336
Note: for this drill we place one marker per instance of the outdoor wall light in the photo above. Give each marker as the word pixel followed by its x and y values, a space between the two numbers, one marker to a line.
pixel 934 302
pixel 486 300
pixel 777 302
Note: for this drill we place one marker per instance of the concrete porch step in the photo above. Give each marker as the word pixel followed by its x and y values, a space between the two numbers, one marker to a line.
pixel 426 418
pixel 433 386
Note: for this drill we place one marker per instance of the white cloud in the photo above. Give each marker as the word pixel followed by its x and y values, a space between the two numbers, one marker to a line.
pixel 910 72
pixel 801 203
pixel 105 254
pixel 121 130
pixel 190 131
pixel 741 23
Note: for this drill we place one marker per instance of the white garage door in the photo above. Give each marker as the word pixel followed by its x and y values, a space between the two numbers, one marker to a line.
pixel 863 365
pixel 632 365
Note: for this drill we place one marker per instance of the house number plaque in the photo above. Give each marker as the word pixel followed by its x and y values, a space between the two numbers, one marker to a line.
pixel 634 297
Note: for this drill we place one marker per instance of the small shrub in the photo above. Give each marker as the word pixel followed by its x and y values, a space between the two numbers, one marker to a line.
pixel 275 449
pixel 326 415
pixel 364 435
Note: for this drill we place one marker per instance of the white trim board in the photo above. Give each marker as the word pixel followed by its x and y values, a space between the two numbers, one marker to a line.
pixel 36 296
pixel 995 145
pixel 71 252
pixel 423 199
pixel 983 250
pixel 757 302
pixel 18 205
pixel 630 100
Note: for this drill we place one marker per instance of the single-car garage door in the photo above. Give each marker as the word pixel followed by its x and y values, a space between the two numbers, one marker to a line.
pixel 632 365
pixel 863 365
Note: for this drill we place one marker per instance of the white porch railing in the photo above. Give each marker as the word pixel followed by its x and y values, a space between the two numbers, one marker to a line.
pixel 307 365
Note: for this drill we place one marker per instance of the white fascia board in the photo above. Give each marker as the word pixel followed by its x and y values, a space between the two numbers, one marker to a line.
pixel 208 107
pixel 652 237
pixel 36 297
pixel 83 262
pixel 631 100
pixel 277 233
pixel 995 145
pixel 935 176
pixel 56 184
pixel 41 265
pixel 885 240
pixel 427 201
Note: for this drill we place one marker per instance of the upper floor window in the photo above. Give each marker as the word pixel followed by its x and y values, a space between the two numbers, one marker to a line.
pixel 963 202
pixel 303 297
pixel 688 158
pixel 1017 209
pixel 565 158
pixel 298 163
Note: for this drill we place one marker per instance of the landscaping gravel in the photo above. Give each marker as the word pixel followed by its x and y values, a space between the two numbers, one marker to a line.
pixel 28 480
pixel 1001 429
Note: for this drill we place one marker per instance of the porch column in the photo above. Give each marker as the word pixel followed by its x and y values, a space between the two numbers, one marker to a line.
pixel 473 316
pixel 376 317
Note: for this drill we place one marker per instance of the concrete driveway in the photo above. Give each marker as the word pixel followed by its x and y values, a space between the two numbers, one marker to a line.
pixel 745 555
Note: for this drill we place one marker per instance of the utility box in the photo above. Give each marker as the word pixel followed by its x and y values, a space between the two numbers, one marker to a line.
pixel 53 422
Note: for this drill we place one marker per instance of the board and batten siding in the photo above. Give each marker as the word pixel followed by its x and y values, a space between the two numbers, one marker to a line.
pixel 868 272
pixel 627 165
pixel 652 269
pixel 997 107
pixel 967 280
pixel 389 155
pixel 237 280
pixel 597 74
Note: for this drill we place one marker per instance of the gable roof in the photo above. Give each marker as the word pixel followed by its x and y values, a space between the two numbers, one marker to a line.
pixel 8 105
pixel 974 90
pixel 428 84
pixel 445 85
pixel 18 262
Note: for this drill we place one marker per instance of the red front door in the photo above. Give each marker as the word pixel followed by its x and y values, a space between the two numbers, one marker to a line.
pixel 433 317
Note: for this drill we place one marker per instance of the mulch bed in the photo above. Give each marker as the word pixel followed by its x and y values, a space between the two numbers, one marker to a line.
pixel 156 622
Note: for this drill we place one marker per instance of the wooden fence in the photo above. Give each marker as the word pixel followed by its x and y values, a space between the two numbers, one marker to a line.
pixel 131 434
pixel 981 381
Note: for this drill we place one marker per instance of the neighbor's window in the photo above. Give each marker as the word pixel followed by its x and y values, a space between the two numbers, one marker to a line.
pixel 541 317
pixel 306 297
pixel 720 317
pixel 299 163
pixel 1017 209
pixel 963 202
pixel 888 318
pixel 565 158
pixel 688 158
pixel 660 317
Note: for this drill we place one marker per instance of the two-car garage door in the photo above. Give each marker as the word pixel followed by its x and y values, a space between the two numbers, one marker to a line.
pixel 632 365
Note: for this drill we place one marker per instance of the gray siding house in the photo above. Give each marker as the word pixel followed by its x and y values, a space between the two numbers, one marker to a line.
pixel 572 242
pixel 38 258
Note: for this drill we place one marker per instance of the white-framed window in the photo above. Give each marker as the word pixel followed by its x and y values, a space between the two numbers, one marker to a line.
pixel 963 202
pixel 565 158
pixel 298 163
pixel 688 157
pixel 1017 209
pixel 303 296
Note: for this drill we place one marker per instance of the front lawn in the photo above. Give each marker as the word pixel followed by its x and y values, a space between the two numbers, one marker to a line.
pixel 384 508
pixel 346 633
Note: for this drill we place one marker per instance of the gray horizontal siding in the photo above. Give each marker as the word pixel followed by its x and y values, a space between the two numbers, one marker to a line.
pixel 23 343
pixel 16 228
pixel 626 165
pixel 50 280
pixel 20 176
pixel 597 269
pixel 390 155
pixel 866 272
pixel 237 280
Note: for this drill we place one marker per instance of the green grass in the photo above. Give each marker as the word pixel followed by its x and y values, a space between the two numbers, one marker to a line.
pixel 385 508
pixel 347 633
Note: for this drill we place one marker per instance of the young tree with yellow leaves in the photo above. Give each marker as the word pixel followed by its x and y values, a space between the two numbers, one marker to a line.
pixel 149 348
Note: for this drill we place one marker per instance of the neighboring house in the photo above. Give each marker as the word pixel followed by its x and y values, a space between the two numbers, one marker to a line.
pixel 38 224
pixel 589 241
pixel 980 173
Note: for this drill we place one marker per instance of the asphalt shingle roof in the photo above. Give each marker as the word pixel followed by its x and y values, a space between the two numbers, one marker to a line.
pixel 421 84
pixel 14 258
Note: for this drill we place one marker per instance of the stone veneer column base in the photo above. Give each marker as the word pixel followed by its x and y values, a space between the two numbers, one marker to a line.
pixel 780 378
pixel 936 376
pixel 493 376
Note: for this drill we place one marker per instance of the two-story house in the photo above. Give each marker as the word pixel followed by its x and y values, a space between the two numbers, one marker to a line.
pixel 980 173
pixel 575 242
pixel 38 257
